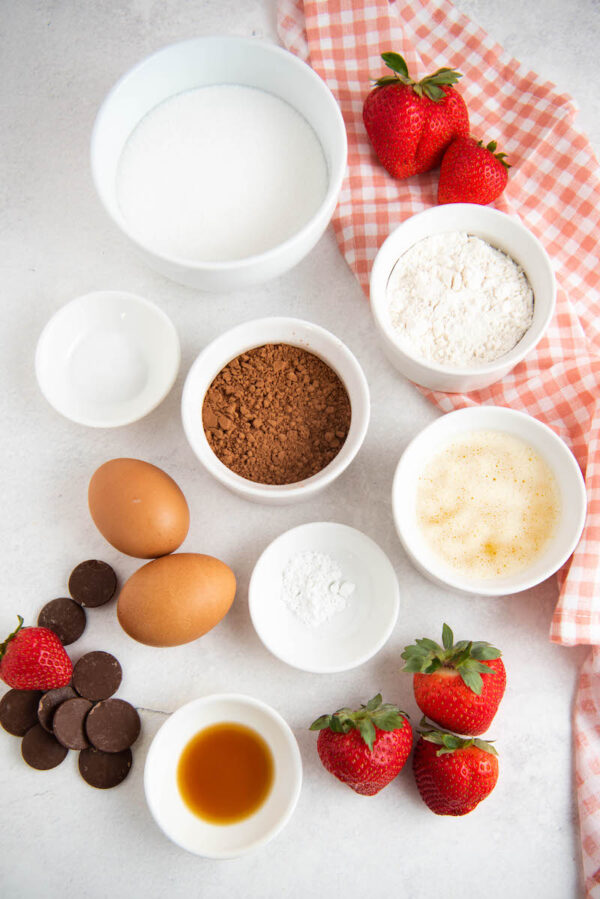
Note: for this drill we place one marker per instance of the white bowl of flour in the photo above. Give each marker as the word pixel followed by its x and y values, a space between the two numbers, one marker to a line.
pixel 460 294
pixel 221 159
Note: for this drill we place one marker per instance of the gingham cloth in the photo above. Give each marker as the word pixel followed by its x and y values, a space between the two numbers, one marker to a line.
pixel 554 187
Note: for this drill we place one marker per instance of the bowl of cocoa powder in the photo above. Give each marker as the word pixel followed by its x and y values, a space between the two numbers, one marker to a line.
pixel 276 409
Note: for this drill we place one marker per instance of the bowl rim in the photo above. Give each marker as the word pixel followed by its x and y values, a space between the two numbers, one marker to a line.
pixel 93 298
pixel 386 632
pixel 291 744
pixel 335 176
pixel 522 580
pixel 379 305
pixel 333 469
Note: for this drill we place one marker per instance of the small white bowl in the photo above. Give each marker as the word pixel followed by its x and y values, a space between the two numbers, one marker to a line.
pixel 501 231
pixel 541 438
pixel 255 333
pixel 173 816
pixel 214 60
pixel 352 635
pixel 107 358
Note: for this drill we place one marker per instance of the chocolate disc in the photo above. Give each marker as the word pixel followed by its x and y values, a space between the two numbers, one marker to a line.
pixel 97 675
pixel 65 617
pixel 104 769
pixel 41 750
pixel 49 703
pixel 69 723
pixel 113 725
pixel 92 583
pixel 18 710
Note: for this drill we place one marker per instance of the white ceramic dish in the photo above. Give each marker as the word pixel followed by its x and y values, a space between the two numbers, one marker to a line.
pixel 255 333
pixel 537 435
pixel 107 358
pixel 164 800
pixel 219 60
pixel 501 231
pixel 351 636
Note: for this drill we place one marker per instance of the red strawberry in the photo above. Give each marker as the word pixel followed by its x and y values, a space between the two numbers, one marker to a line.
pixel 410 123
pixel 33 658
pixel 472 173
pixel 453 774
pixel 365 748
pixel 459 686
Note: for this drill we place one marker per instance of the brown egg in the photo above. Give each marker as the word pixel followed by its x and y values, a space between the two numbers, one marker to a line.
pixel 138 508
pixel 175 599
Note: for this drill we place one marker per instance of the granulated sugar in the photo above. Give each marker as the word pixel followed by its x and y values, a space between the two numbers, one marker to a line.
pixel 220 173
pixel 456 300
pixel 314 588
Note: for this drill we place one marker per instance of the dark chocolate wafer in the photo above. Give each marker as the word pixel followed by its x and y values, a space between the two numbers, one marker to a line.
pixel 113 725
pixel 18 711
pixel 49 703
pixel 92 583
pixel 41 750
pixel 104 769
pixel 69 723
pixel 65 617
pixel 97 675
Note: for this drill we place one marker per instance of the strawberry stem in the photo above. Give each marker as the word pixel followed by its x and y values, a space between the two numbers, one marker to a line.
pixel 449 742
pixel 466 657
pixel 374 714
pixel 4 645
pixel 431 86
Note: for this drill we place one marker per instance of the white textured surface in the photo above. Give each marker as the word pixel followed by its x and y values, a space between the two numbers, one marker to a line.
pixel 57 61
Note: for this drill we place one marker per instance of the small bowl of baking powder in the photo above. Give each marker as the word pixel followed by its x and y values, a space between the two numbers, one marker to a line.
pixel 460 294
pixel 221 159
pixel 323 597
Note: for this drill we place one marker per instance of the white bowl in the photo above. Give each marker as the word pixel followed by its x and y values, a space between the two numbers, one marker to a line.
pixel 164 800
pixel 107 358
pixel 207 61
pixel 501 231
pixel 541 438
pixel 351 636
pixel 255 333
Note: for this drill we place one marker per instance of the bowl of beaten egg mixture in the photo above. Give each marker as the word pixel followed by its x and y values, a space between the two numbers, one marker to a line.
pixel 488 500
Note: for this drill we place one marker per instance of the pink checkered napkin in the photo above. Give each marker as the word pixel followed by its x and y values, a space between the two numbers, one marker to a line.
pixel 554 188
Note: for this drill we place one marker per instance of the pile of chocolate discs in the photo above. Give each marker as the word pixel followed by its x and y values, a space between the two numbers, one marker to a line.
pixel 81 716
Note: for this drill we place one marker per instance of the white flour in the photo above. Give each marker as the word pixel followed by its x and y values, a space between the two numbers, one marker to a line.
pixel 220 173
pixel 456 300
pixel 313 587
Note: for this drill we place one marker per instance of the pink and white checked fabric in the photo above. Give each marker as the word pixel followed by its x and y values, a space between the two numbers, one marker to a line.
pixel 554 187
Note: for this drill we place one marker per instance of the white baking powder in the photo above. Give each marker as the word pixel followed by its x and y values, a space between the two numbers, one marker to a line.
pixel 314 588
pixel 220 173
pixel 456 300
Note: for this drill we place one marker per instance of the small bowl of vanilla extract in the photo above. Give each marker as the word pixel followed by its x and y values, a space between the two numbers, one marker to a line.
pixel 223 775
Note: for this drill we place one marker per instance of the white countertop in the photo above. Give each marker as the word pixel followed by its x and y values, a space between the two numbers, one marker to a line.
pixel 61 837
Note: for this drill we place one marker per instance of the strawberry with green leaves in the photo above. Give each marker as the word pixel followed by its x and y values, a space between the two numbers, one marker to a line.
pixel 365 748
pixel 410 123
pixel 472 173
pixel 453 774
pixel 33 658
pixel 458 685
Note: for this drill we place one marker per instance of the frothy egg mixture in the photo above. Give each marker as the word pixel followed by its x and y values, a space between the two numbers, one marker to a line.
pixel 488 504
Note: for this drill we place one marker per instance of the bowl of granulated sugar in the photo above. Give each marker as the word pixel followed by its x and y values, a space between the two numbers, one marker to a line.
pixel 460 294
pixel 220 159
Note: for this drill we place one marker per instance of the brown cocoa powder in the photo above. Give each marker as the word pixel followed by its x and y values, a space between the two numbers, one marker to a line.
pixel 276 414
